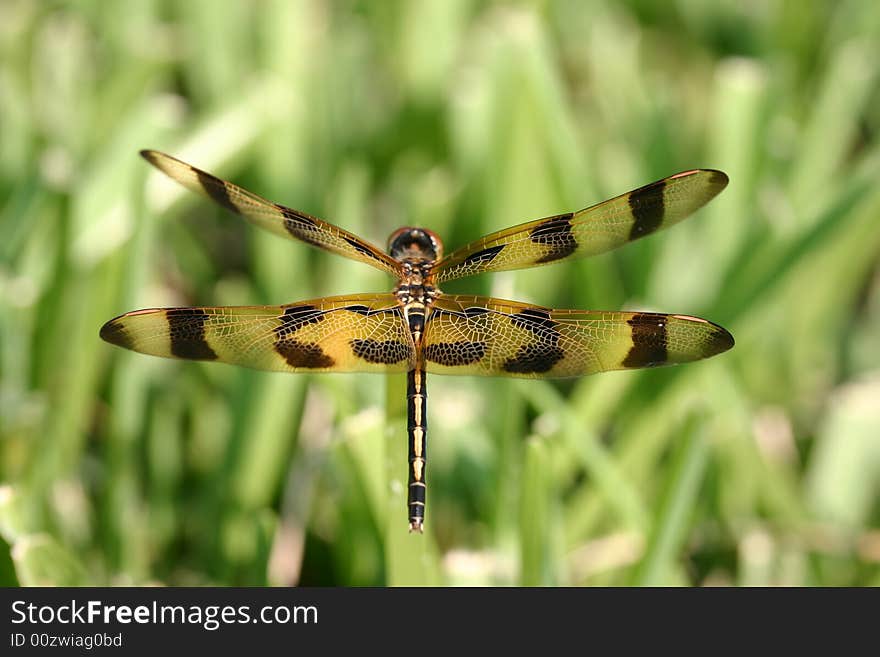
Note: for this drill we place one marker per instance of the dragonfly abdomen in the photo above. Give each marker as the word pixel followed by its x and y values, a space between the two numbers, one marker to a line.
pixel 417 429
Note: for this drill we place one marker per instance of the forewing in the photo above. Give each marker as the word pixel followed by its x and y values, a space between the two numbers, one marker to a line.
pixel 360 333
pixel 274 217
pixel 594 230
pixel 493 337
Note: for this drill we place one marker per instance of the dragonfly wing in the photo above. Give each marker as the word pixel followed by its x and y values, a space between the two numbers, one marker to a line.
pixel 492 337
pixel 274 217
pixel 359 333
pixel 596 229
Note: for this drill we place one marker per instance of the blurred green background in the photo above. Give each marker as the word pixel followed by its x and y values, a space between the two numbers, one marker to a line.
pixel 760 466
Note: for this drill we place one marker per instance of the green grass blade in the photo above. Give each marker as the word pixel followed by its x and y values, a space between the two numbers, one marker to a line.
pixel 675 511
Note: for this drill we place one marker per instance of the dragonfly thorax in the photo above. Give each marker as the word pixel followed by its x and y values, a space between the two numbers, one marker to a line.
pixel 415 293
pixel 415 245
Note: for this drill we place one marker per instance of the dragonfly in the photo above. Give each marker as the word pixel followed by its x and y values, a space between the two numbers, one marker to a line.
pixel 417 329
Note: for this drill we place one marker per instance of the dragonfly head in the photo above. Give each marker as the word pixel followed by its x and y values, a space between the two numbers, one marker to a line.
pixel 415 243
